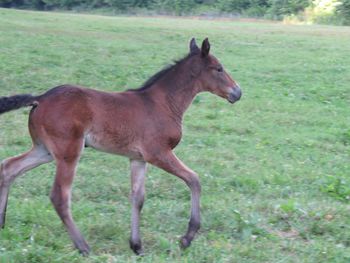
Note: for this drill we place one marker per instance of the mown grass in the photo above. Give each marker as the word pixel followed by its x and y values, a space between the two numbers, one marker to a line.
pixel 274 167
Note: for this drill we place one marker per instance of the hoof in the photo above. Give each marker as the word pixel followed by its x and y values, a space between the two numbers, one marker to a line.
pixel 84 253
pixel 184 242
pixel 137 248
pixel 83 248
pixel 2 221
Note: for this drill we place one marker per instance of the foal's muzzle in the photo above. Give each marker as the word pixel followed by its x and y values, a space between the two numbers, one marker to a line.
pixel 235 94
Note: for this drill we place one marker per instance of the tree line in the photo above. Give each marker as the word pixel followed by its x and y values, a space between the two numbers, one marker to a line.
pixel 318 11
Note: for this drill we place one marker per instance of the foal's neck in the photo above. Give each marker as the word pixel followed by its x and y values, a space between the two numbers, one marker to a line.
pixel 175 95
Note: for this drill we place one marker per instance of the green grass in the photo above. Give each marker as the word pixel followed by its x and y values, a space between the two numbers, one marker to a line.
pixel 274 167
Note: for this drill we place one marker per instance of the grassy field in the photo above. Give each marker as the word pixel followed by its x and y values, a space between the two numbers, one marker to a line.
pixel 274 167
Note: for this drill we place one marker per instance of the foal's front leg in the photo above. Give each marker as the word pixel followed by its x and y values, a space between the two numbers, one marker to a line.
pixel 138 171
pixel 170 163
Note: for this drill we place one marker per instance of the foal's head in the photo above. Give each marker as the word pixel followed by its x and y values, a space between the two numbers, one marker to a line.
pixel 210 74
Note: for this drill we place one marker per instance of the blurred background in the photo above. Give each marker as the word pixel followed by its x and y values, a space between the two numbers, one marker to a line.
pixel 336 12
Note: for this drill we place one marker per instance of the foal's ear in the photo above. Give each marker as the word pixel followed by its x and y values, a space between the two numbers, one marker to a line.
pixel 193 47
pixel 205 47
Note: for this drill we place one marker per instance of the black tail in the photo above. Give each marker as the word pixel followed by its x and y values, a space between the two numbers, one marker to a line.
pixel 16 102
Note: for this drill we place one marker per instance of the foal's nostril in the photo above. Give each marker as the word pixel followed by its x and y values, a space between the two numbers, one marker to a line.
pixel 235 94
pixel 238 92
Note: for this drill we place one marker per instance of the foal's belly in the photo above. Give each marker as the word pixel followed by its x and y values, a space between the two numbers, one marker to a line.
pixel 114 144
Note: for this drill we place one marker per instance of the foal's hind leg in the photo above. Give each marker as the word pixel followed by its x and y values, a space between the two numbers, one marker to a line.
pixel 15 166
pixel 138 171
pixel 66 161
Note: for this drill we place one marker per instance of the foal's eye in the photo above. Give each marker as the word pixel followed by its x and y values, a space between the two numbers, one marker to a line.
pixel 220 69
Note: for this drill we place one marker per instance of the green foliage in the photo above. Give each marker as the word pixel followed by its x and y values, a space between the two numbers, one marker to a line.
pixel 245 229
pixel 119 4
pixel 233 5
pixel 49 4
pixel 288 207
pixel 280 8
pixel 313 11
pixel 324 12
pixel 337 187
pixel 346 137
pixel 178 7
pixel 6 3
pixel 255 8
pixel 343 11
pixel 66 4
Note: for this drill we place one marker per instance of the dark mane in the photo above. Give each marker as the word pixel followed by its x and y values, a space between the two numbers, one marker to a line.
pixel 153 79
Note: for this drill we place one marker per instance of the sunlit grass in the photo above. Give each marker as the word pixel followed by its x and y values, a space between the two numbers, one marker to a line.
pixel 274 167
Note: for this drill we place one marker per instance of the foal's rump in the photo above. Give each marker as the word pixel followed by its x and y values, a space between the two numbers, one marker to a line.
pixel 62 113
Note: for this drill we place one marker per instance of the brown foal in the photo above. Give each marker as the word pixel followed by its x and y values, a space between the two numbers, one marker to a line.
pixel 144 125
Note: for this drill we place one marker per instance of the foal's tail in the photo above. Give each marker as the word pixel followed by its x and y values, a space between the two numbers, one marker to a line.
pixel 16 102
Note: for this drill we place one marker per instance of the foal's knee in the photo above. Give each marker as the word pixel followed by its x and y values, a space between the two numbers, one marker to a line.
pixel 56 197
pixel 194 183
pixel 138 198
